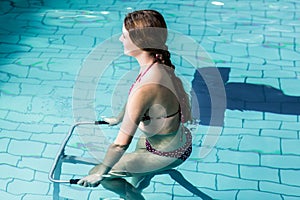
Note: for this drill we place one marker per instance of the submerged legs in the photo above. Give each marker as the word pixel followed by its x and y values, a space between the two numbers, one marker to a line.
pixel 122 188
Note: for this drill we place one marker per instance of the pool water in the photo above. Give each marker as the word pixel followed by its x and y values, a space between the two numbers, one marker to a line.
pixel 61 62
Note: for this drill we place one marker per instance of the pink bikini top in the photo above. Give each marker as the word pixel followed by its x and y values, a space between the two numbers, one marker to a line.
pixel 145 117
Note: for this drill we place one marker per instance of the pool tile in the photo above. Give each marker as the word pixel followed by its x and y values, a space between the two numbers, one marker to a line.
pixel 264 145
pixel 4 142
pixel 18 173
pixel 258 195
pixel 236 50
pixel 236 157
pixel 290 125
pixel 37 197
pixel 8 125
pixel 277 188
pixel 219 168
pixel 288 134
pixel 287 86
pixel 262 124
pixel 290 146
pixel 36 163
pixel 68 192
pixel 44 74
pixel 32 187
pixel 41 42
pixel 7 195
pixel 246 73
pixel 14 69
pixel 264 52
pixel 52 138
pixel 281 73
pixel 205 180
pixel 229 142
pixel 13 48
pixel 227 183
pixel 259 173
pixel 280 161
pixel 8 158
pixel 79 41
pixel 25 148
pixel 24 117
pixel 290 177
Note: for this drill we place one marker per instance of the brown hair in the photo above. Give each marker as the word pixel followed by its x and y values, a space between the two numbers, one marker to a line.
pixel 148 31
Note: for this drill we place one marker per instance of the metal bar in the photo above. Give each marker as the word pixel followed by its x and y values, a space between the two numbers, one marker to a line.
pixel 61 152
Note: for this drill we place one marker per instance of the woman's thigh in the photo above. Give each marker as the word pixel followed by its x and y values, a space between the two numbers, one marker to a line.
pixel 141 162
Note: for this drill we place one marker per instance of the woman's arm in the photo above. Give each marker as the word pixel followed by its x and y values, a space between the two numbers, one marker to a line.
pixel 115 120
pixel 137 105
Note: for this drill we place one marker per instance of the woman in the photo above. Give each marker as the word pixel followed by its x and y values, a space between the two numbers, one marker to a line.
pixel 157 104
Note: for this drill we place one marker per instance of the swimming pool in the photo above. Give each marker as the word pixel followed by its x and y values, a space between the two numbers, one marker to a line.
pixel 247 148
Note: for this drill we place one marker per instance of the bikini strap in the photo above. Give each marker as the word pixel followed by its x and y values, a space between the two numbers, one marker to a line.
pixel 146 118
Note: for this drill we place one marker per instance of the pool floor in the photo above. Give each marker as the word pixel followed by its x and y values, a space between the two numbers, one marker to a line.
pixel 60 62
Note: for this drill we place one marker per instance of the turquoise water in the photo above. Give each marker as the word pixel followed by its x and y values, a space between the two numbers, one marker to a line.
pixel 244 79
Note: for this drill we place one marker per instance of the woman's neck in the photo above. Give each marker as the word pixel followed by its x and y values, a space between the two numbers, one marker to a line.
pixel 144 60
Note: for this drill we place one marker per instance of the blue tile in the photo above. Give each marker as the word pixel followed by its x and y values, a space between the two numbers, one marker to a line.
pixel 292 134
pixel 262 124
pixel 237 157
pixel 237 50
pixel 287 86
pixel 229 183
pixel 31 187
pixel 290 125
pixel 274 116
pixel 263 145
pixel 258 195
pixel 13 48
pixel 24 117
pixel 290 177
pixel 37 197
pixel 52 138
pixel 10 159
pixel 68 192
pixel 34 41
pixel 290 146
pixel 8 171
pixel 200 179
pixel 44 75
pixel 277 188
pixel 219 168
pixel 4 142
pixel 36 163
pixel 11 89
pixel 16 70
pixel 25 148
pixel 228 142
pixel 259 173
pixel 7 195
pixel 263 52
pixel 8 125
pixel 280 161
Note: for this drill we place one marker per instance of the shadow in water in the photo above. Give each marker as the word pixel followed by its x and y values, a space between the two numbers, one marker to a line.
pixel 239 96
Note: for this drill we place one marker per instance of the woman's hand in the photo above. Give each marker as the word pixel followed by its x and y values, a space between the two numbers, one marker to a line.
pixel 112 121
pixel 92 180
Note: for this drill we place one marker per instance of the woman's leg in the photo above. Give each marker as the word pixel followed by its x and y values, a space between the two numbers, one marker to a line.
pixel 122 188
pixel 138 165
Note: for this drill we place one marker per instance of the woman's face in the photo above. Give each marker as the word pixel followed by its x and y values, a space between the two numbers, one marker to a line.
pixel 130 48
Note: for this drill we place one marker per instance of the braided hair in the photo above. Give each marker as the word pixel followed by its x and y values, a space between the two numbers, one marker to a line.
pixel 148 31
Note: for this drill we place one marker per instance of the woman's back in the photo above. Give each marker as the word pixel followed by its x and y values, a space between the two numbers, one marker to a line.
pixel 163 116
